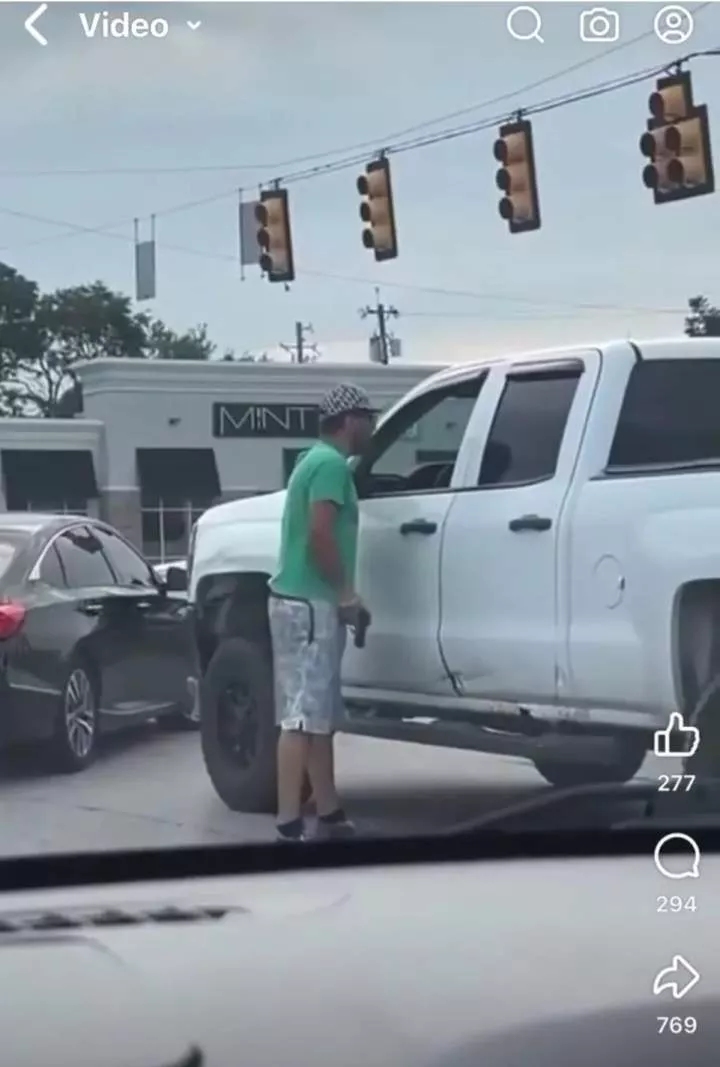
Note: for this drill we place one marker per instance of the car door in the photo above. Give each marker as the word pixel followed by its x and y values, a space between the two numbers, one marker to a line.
pixel 92 590
pixel 403 504
pixel 501 622
pixel 159 657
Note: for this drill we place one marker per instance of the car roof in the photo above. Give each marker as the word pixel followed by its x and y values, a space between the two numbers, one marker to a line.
pixel 32 522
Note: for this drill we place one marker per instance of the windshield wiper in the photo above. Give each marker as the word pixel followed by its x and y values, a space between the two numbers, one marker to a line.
pixel 602 807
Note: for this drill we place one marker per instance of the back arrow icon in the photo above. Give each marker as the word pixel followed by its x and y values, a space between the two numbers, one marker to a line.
pixel 30 24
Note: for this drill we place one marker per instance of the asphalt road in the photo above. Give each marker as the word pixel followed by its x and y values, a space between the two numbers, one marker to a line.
pixel 150 789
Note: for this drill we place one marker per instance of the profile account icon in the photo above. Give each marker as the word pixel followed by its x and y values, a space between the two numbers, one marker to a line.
pixel 673 24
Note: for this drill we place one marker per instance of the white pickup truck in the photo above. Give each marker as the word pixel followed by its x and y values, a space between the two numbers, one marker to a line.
pixel 547 585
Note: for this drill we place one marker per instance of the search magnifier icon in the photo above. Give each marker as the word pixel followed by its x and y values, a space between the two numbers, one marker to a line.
pixel 524 24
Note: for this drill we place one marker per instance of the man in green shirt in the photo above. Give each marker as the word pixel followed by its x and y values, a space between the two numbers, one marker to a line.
pixel 312 601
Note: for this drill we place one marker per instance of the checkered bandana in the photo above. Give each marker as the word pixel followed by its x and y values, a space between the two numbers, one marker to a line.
pixel 343 399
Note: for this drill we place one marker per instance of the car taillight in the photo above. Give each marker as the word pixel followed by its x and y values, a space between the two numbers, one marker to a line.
pixel 12 616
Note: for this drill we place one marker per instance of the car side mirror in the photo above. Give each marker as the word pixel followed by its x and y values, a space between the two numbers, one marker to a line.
pixel 176 580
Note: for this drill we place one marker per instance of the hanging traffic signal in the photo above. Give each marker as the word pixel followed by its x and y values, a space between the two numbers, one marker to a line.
pixel 377 211
pixel 274 237
pixel 515 179
pixel 677 143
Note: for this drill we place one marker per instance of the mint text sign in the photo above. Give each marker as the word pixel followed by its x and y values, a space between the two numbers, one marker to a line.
pixel 264 420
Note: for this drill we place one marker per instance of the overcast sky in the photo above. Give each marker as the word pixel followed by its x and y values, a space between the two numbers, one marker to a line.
pixel 96 132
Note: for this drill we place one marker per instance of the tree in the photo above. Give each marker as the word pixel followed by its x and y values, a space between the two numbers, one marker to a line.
pixel 43 335
pixel 81 323
pixel 704 318
pixel 20 337
pixel 164 343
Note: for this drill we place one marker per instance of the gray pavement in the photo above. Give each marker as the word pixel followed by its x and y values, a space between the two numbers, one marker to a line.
pixel 150 789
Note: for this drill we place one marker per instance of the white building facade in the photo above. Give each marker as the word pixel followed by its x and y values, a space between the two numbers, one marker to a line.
pixel 159 441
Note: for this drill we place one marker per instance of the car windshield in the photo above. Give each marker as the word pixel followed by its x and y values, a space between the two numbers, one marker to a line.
pixel 359 378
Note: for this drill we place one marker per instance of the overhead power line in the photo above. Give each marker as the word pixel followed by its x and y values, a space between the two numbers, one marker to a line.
pixel 110 231
pixel 401 146
pixel 277 166
pixel 351 279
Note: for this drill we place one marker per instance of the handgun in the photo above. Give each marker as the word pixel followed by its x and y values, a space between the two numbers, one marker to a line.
pixel 363 621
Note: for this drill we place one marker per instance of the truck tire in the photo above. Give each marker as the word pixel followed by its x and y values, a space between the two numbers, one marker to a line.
pixel 237 726
pixel 705 762
pixel 566 775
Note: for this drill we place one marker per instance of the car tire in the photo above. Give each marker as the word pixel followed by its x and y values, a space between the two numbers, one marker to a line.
pixel 568 775
pixel 237 726
pixel 74 743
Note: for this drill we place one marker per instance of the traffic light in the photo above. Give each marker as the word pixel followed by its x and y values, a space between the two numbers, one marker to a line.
pixel 677 143
pixel 515 179
pixel 377 210
pixel 274 237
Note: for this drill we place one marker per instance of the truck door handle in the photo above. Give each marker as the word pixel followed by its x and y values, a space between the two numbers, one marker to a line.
pixel 421 526
pixel 530 522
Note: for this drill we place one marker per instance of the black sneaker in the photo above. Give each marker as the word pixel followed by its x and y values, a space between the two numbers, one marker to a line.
pixel 333 827
pixel 291 831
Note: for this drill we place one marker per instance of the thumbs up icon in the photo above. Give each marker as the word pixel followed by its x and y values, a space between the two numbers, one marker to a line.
pixel 676 739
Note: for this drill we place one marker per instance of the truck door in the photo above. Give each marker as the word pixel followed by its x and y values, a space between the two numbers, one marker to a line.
pixel 500 621
pixel 405 492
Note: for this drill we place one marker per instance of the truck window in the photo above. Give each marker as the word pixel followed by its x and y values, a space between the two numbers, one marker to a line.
pixel 525 438
pixel 416 450
pixel 670 415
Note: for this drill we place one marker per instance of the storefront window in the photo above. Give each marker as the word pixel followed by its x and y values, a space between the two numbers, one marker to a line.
pixel 166 526
pixel 58 507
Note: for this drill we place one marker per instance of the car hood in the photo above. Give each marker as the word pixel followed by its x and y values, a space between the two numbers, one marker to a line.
pixel 248 509
pixel 242 536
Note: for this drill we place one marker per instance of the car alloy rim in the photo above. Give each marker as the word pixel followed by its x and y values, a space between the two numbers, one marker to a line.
pixel 79 713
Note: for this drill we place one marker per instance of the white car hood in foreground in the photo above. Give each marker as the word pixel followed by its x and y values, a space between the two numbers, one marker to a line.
pixel 242 535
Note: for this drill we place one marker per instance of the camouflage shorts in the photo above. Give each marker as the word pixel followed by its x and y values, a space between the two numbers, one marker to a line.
pixel 308 642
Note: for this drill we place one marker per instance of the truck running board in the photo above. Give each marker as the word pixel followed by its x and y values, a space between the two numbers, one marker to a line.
pixel 550 743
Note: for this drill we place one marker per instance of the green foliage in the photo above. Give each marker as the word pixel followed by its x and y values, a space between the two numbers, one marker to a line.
pixel 43 334
pixel 704 318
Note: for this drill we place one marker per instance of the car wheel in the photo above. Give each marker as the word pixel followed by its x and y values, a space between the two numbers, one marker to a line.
pixel 566 775
pixel 237 726
pixel 74 742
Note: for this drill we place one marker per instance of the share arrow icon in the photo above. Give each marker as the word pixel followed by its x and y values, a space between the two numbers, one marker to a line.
pixel 679 978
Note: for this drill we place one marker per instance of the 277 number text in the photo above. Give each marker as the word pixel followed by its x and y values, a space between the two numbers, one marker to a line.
pixel 676 783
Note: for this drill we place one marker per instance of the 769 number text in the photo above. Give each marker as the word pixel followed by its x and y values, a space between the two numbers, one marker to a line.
pixel 677 1024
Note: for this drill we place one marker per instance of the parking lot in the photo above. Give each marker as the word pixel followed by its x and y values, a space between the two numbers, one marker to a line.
pixel 150 789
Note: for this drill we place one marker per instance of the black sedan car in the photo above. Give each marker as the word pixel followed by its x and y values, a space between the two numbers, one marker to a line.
pixel 90 637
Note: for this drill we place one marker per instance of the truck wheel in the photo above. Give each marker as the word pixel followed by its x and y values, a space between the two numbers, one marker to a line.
pixel 237 726
pixel 705 762
pixel 566 775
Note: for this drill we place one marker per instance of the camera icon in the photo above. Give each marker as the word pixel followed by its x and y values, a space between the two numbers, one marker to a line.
pixel 599 24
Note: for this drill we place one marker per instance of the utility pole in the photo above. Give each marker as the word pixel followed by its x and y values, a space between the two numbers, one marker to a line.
pixel 301 352
pixel 382 313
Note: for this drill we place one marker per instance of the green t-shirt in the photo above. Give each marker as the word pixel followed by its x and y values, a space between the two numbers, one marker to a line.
pixel 321 474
